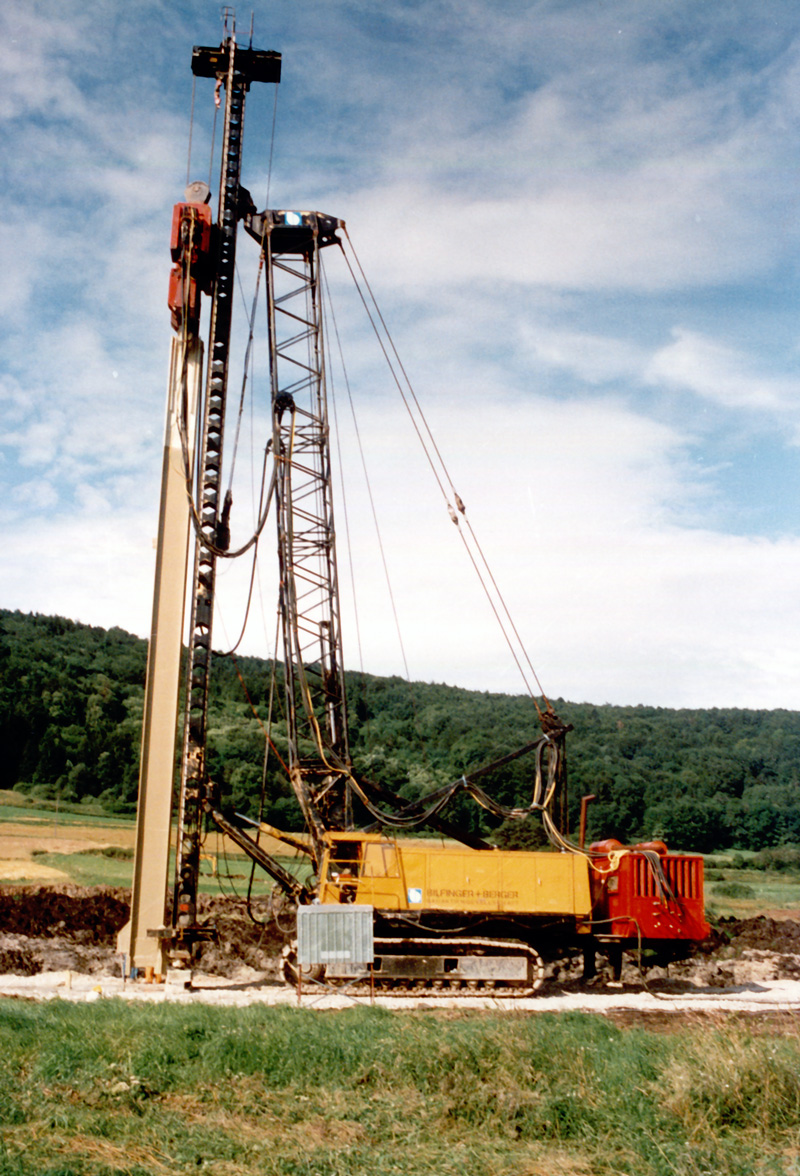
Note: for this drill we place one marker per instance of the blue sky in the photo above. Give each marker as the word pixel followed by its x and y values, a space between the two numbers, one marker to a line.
pixel 581 221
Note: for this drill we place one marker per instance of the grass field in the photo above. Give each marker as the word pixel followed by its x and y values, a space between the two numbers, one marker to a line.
pixel 735 887
pixel 42 843
pixel 766 893
pixel 223 874
pixel 110 1088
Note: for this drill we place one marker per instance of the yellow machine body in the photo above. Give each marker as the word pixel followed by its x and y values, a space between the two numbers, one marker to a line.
pixel 391 876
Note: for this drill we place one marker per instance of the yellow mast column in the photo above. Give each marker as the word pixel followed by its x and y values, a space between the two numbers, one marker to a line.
pixel 160 721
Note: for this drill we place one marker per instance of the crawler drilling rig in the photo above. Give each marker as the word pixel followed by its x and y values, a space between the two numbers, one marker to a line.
pixel 461 915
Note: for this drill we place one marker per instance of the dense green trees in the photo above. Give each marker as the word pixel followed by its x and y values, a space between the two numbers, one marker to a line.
pixel 70 716
pixel 70 707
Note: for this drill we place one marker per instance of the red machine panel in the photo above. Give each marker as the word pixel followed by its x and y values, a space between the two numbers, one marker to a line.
pixel 653 895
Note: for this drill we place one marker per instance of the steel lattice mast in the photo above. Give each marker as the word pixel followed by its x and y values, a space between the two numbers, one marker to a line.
pixel 318 753
pixel 316 709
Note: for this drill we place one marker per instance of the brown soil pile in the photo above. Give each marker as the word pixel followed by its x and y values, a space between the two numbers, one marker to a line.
pixel 61 928
pixel 74 928
pixel 766 934
pixel 54 929
pixel 50 911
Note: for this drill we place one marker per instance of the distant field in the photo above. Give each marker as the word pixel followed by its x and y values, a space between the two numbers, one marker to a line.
pixel 30 841
pixel 40 844
pixel 763 893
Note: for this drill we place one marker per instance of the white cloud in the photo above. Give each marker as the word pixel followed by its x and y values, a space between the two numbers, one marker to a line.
pixel 615 602
pixel 93 567
pixel 596 359
pixel 41 44
pixel 574 505
pixel 38 495
pixel 721 374
pixel 608 166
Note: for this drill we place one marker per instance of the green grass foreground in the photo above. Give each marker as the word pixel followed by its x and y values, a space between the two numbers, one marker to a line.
pixel 112 1088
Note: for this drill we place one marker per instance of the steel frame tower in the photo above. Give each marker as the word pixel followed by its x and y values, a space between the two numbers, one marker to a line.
pixel 316 706
pixel 318 752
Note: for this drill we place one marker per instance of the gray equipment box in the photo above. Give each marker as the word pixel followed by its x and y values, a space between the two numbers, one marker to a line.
pixel 340 935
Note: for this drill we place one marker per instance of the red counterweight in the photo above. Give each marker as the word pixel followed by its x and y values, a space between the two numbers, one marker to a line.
pixel 644 891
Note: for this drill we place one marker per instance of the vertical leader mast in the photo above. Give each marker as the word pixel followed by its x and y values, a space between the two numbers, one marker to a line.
pixel 234 70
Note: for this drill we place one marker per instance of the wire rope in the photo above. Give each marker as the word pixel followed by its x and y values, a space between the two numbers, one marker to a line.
pixel 329 309
pixel 246 367
pixel 230 652
pixel 373 508
pixel 213 137
pixel 268 730
pixel 216 549
pixel 441 475
pixel 384 562
pixel 343 490
pixel 257 716
pixel 408 383
pixel 268 746
pixel 545 782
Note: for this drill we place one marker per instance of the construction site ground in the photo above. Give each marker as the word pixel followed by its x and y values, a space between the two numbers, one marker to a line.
pixel 59 941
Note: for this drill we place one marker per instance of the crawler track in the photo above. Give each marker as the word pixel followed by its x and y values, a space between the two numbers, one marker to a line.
pixel 442 985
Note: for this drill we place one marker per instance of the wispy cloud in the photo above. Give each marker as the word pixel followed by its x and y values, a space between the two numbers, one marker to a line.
pixel 722 374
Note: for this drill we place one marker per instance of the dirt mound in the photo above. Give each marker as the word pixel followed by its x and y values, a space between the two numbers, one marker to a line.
pixel 763 933
pixel 60 928
pixel 74 928
pixel 50 912
pixel 23 955
pixel 253 940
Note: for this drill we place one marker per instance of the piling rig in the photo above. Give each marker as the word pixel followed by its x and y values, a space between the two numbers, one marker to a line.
pixel 461 915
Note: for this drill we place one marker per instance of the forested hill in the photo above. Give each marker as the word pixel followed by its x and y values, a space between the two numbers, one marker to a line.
pixel 71 704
